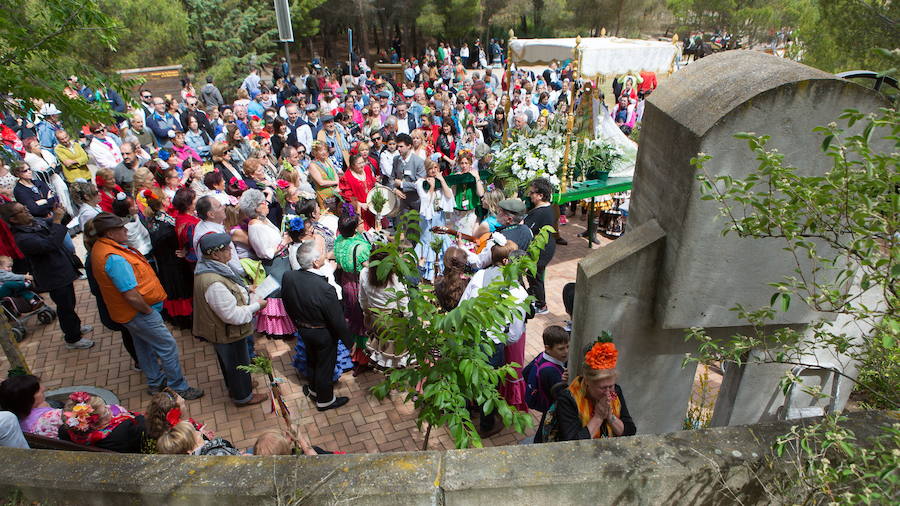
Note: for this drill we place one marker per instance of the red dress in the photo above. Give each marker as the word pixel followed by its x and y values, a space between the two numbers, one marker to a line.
pixel 352 188
pixel 106 199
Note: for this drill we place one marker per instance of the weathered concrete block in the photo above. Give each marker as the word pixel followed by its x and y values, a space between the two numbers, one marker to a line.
pixel 687 467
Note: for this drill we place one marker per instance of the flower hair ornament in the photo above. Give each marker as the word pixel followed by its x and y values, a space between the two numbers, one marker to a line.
pixel 296 224
pixel 348 209
pixel 603 354
pixel 99 181
pixel 82 416
pixel 121 196
pixel 491 187
pixel 148 194
pixel 173 416
pixel 499 239
pixel 282 184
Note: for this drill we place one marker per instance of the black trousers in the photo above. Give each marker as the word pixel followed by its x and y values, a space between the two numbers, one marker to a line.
pixel 69 322
pixel 231 355
pixel 321 357
pixel 496 361
pixel 536 285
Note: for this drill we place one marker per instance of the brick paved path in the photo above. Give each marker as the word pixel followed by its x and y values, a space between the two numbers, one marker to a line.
pixel 364 425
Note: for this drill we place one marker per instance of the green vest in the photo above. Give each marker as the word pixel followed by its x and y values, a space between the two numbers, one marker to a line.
pixel 206 323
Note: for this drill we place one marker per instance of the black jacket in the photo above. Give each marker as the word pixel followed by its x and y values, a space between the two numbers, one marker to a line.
pixel 202 122
pixel 311 302
pixel 52 264
pixel 28 198
pixel 569 422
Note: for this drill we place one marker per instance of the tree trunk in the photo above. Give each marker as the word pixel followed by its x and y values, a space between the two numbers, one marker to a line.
pixel 538 13
pixel 621 5
pixel 365 49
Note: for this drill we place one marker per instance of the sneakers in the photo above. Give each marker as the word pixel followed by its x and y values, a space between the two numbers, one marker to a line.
pixel 86 329
pixel 541 310
pixel 190 394
pixel 81 344
pixel 336 403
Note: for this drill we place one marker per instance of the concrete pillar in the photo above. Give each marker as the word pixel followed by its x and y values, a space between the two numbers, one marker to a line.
pixel 674 269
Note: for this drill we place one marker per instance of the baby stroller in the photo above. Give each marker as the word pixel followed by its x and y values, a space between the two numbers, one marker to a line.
pixel 19 310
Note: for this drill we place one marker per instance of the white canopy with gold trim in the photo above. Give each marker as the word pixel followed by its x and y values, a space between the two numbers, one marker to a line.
pixel 599 55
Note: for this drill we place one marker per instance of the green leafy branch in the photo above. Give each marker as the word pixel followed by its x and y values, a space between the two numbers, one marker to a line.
pixel 451 350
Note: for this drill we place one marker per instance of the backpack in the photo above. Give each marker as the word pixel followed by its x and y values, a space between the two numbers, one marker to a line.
pixel 536 398
pixel 548 429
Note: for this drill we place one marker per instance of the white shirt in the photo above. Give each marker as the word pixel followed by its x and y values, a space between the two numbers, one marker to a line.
pixel 223 303
pixel 105 153
pixel 209 227
pixel 429 201
pixel 264 238
pixel 386 160
pixel 478 281
pixel 304 136
pixel 371 297
pixel 138 237
pixel 327 272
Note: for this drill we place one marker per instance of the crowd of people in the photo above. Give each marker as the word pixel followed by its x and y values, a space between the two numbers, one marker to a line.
pixel 255 217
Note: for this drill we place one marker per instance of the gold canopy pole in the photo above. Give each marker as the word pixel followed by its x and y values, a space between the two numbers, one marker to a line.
pixel 570 116
pixel 674 43
pixel 507 75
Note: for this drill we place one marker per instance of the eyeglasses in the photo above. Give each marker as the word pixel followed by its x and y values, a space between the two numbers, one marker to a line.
pixel 97 131
pixel 148 97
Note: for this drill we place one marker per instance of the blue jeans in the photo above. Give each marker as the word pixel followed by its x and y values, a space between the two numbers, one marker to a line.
pixel 157 351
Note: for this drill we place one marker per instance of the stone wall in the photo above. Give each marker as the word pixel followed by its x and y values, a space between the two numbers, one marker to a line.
pixel 688 467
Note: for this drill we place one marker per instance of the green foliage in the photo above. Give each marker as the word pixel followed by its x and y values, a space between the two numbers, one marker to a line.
pixel 844 225
pixel 839 35
pixel 231 35
pixel 832 468
pixel 259 365
pixel 36 41
pixel 753 18
pixel 451 350
pixel 150 34
pixel 455 19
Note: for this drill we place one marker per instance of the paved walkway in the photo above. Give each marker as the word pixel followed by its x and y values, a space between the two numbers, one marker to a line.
pixel 364 425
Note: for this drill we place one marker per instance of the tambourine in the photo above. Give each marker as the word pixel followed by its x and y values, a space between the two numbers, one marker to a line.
pixel 391 206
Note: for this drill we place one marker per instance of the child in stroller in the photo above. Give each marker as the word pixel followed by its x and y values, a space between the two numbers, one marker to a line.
pixel 19 302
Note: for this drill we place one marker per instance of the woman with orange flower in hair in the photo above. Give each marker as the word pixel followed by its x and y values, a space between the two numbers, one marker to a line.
pixel 592 406
pixel 89 421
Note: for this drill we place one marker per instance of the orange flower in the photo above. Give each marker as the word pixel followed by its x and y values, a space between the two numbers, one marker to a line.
pixel 602 356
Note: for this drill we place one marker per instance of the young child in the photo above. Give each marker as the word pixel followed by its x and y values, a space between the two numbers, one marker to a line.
pixel 182 438
pixel 547 369
pixel 273 442
pixel 16 285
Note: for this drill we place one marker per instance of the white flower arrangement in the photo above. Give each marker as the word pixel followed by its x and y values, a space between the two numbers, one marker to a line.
pixel 540 154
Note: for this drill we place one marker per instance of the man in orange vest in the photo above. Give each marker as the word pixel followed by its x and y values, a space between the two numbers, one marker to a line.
pixel 134 297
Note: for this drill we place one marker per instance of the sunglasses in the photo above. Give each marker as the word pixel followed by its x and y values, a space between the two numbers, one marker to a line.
pixel 97 131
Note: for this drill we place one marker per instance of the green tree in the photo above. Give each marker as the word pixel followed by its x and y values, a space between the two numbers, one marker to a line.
pixel 231 35
pixel 450 350
pixel 150 33
pixel 839 35
pixel 37 39
pixel 454 19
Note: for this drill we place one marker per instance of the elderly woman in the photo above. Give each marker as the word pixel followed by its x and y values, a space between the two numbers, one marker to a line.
pixel 24 397
pixel 33 193
pixel 323 173
pixel 223 315
pixel 592 406
pixel 87 420
pixel 265 238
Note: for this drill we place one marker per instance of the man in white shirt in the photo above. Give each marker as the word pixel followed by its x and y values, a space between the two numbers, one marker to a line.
pixel 103 150
pixel 406 122
pixel 212 214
